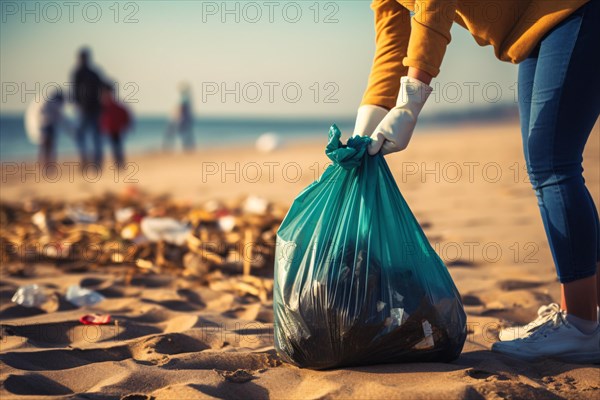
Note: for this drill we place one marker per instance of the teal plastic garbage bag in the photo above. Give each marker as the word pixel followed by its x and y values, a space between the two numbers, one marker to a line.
pixel 356 280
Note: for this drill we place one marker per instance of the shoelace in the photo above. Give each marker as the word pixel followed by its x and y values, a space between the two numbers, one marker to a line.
pixel 543 312
pixel 554 322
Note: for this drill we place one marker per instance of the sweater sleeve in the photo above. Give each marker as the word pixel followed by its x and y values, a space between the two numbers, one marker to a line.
pixel 392 33
pixel 430 34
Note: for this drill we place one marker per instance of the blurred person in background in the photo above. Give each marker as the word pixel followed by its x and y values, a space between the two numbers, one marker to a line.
pixel 51 117
pixel 556 44
pixel 115 120
pixel 182 123
pixel 88 86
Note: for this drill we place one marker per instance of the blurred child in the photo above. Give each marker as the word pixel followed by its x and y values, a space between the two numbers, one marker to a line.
pixel 182 122
pixel 51 116
pixel 114 122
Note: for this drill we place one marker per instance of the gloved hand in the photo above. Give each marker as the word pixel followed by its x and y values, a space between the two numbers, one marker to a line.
pixel 367 119
pixel 395 130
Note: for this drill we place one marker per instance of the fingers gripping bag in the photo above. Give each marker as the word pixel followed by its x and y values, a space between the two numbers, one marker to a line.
pixel 356 280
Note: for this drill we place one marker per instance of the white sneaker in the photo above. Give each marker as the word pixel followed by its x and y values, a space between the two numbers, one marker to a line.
pixel 554 339
pixel 519 332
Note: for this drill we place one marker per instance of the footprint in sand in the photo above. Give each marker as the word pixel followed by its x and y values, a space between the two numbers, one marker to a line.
pixel 106 287
pixel 152 281
pixel 252 312
pixel 34 385
pixel 18 311
pixel 487 375
pixel 191 297
pixel 137 396
pixel 471 300
pixel 230 361
pixel 59 359
pixel 175 305
pixel 237 376
pixel 156 350
pixel 460 263
pixel 517 285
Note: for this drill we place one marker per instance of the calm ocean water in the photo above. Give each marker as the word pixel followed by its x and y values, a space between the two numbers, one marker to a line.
pixel 149 133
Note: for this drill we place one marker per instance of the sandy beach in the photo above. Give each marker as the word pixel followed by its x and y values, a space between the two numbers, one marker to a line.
pixel 175 336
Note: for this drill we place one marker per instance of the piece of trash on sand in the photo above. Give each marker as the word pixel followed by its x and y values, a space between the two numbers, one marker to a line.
pixel 130 231
pixel 220 232
pixel 212 206
pixel 227 223
pixel 268 142
pixel 79 215
pixel 83 297
pixel 144 264
pixel 40 219
pixel 256 205
pixel 167 229
pixel 58 249
pixel 36 296
pixel 95 319
pixel 123 215
pixel 30 296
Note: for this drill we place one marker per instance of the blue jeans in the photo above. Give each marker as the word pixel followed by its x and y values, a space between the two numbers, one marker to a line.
pixel 559 102
pixel 89 121
pixel 116 142
pixel 48 145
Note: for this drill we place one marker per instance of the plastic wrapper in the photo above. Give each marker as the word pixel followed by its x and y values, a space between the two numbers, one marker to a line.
pixel 30 296
pixel 82 296
pixel 356 280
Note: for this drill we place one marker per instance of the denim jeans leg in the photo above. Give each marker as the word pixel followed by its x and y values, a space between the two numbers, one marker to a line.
pixel 565 103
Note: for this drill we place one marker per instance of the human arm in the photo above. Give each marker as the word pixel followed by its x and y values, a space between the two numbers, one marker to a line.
pixel 427 45
pixel 392 33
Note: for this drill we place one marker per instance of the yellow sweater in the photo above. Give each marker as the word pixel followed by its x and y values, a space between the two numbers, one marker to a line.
pixel 512 27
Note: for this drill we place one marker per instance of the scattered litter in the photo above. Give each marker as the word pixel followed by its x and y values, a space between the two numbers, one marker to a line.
pixel 167 229
pixel 130 232
pixel 144 264
pixel 95 319
pixel 123 215
pixel 30 296
pixel 83 297
pixel 40 220
pixel 117 258
pixel 79 215
pixel 256 205
pixel 227 223
pixel 149 234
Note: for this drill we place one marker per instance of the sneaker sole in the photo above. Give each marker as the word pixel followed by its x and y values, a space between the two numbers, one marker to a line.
pixel 578 358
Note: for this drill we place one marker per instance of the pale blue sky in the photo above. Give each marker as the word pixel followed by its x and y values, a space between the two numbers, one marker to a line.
pixel 174 41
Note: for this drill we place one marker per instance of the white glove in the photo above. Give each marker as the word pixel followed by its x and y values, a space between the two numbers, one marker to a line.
pixel 367 119
pixel 395 130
